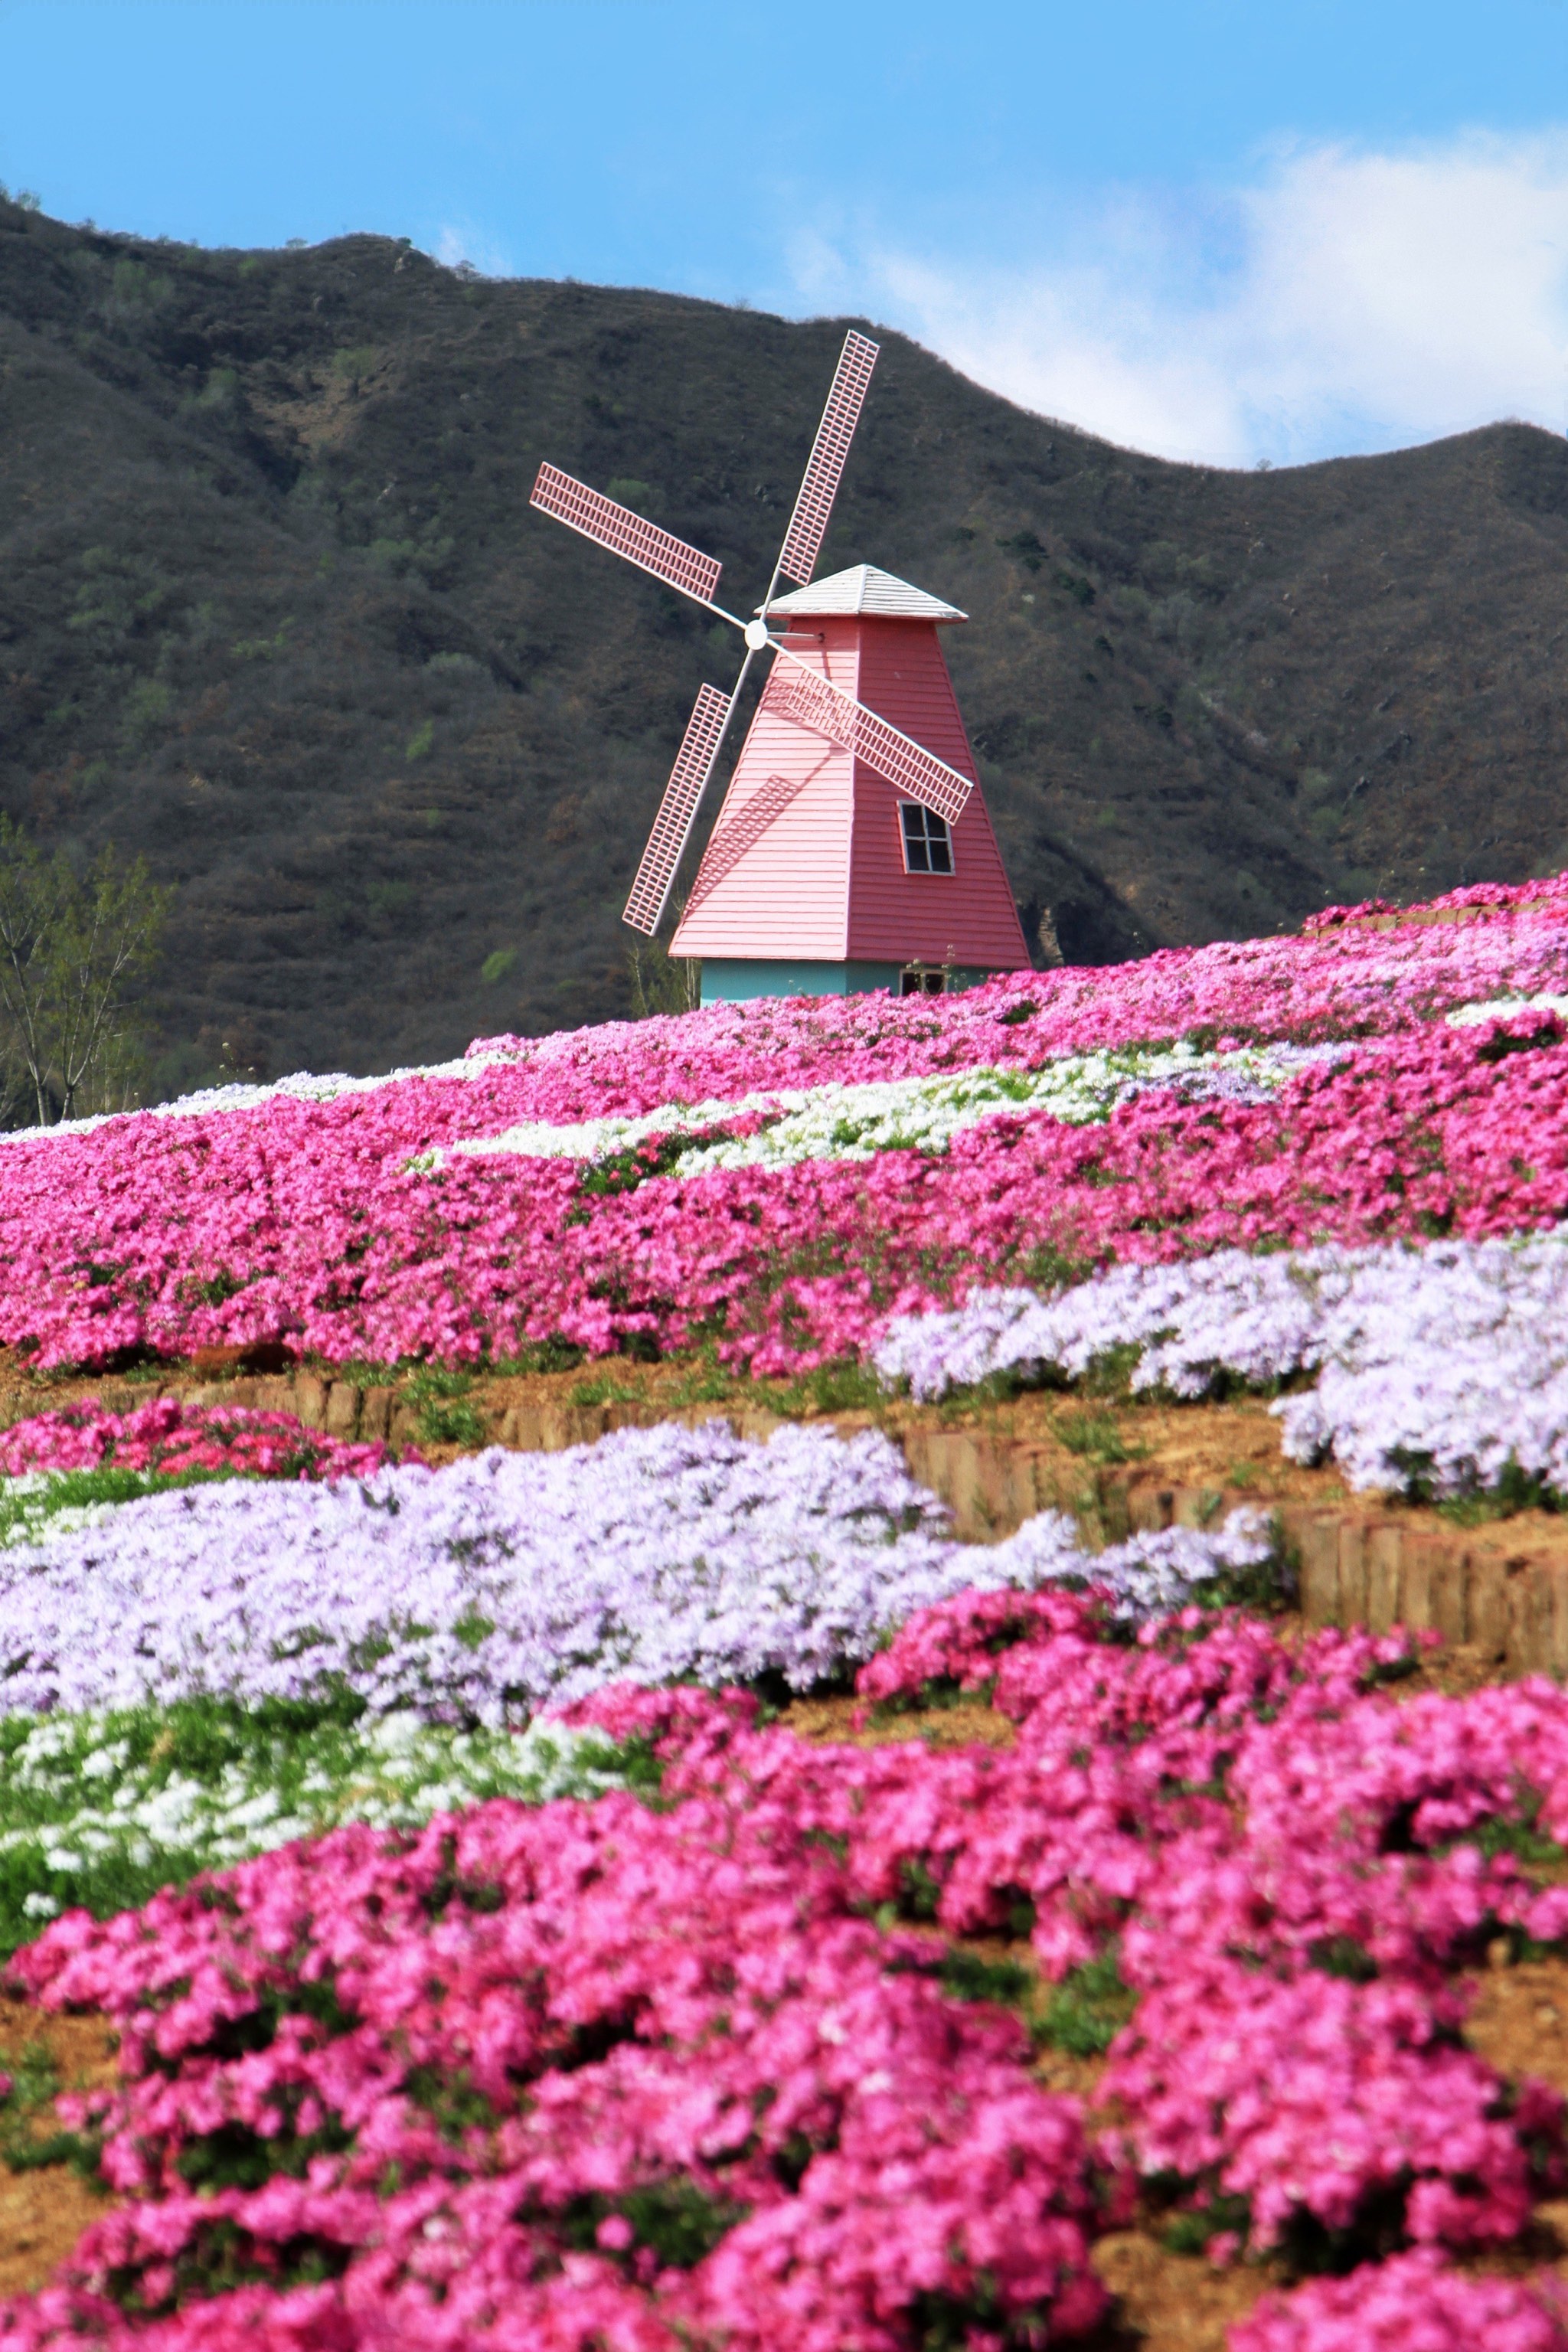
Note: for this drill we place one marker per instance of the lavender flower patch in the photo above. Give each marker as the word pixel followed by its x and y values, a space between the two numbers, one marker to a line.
pixel 484 1590
pixel 1445 1371
pixel 1442 1369
pixel 1147 1576
pixel 1258 1318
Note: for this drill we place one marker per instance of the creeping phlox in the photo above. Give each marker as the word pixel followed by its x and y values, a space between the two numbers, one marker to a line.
pixel 572 2076
pixel 466 2042
pixel 1345 979
pixel 66 1471
pixel 601 2076
pixel 243 1637
pixel 1441 1370
pixel 1288 1866
pixel 354 1219
pixel 171 1439
pixel 855 1122
pixel 782 1267
pixel 101 1810
pixel 1413 2304
pixel 505 1580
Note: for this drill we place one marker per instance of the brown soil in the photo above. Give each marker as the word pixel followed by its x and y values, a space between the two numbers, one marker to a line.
pixel 1519 2022
pixel 43 2212
pixel 970 1724
pixel 42 2215
pixel 1234 1447
pixel 1173 2302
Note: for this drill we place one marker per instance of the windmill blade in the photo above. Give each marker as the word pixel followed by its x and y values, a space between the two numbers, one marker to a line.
pixel 625 533
pixel 807 698
pixel 672 826
pixel 808 524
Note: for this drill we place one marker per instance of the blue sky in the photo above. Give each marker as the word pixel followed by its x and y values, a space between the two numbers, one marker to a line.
pixel 1278 230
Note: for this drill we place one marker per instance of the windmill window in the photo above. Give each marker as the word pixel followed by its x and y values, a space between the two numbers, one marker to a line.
pixel 928 844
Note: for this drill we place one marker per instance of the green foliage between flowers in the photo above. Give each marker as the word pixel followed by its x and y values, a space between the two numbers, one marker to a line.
pixel 676 2220
pixel 1087 2009
pixel 446 1417
pixel 28 1504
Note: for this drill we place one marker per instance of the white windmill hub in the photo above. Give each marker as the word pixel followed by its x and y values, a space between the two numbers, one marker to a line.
pixel 756 636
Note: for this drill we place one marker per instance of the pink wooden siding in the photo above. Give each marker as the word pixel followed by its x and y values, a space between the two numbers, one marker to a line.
pixel 900 916
pixel 806 861
pixel 787 813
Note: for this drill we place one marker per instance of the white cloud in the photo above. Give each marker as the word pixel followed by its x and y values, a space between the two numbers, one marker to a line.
pixel 1343 300
pixel 460 241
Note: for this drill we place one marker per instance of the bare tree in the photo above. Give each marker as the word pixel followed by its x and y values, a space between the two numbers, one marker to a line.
pixel 73 947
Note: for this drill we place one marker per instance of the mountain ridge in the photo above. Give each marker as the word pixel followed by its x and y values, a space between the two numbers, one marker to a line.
pixel 275 613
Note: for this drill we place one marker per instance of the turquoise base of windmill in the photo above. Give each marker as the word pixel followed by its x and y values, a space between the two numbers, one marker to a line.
pixel 735 980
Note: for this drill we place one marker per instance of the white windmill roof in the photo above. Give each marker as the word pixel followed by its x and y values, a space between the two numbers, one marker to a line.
pixel 864 589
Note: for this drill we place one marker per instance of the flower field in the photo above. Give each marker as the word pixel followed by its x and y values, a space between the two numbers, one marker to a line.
pixel 671 1896
pixel 851 1159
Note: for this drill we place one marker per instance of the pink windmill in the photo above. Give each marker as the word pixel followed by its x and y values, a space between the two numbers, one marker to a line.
pixel 853 849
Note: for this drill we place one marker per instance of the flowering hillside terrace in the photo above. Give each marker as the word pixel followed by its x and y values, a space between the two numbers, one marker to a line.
pixel 673 1895
pixel 778 1179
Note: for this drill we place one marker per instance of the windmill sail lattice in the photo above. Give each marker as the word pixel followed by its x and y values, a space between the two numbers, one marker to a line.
pixel 672 826
pixel 808 524
pixel 794 691
pixel 625 533
pixel 811 701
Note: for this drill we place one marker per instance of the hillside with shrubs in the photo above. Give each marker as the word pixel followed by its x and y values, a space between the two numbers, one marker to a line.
pixel 274 613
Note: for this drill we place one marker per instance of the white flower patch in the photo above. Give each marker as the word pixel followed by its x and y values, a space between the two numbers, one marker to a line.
pixel 919 1114
pixel 91 1793
pixel 579 1142
pixel 1504 1008
pixel 602 1139
pixel 32 1509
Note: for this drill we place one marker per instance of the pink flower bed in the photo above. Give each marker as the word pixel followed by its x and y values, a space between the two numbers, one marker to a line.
pixel 166 1436
pixel 1291 1927
pixel 1413 2304
pixel 304 1220
pixel 1346 980
pixel 614 2079
pixel 348 1252
pixel 569 2077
